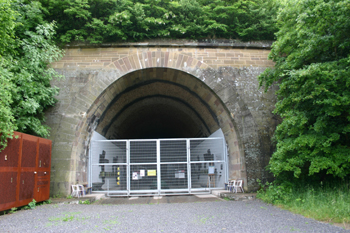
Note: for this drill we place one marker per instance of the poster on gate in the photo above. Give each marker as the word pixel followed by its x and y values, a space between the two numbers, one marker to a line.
pixel 135 176
pixel 181 174
pixel 151 173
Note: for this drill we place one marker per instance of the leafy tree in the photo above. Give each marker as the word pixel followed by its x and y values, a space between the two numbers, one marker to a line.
pixel 312 56
pixel 98 21
pixel 26 50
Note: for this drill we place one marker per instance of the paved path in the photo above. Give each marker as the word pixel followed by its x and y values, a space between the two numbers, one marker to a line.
pixel 161 215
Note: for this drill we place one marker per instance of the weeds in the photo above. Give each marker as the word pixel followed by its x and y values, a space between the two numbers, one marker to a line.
pixel 48 201
pixel 59 195
pixel 13 210
pixel 66 218
pixel 321 203
pixel 86 202
pixel 32 204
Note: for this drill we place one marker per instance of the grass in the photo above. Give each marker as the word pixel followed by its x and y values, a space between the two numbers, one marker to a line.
pixel 321 203
pixel 66 218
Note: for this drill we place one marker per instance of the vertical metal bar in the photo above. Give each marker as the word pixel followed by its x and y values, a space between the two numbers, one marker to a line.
pixel 128 166
pixel 158 167
pixel 189 172
pixel 90 166
pixel 226 161
pixel 107 187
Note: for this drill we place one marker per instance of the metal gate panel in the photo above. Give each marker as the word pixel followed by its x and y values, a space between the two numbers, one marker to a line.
pixel 108 165
pixel 144 171
pixel 143 177
pixel 173 151
pixel 208 163
pixel 174 176
pixel 143 152
pixel 157 166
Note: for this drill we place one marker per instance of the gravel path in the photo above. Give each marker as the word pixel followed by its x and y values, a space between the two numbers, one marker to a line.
pixel 217 216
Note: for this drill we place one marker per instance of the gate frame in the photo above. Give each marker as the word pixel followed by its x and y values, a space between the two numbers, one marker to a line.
pixel 158 191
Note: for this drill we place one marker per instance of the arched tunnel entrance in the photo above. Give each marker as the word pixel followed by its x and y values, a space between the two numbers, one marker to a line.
pixel 172 105
pixel 160 104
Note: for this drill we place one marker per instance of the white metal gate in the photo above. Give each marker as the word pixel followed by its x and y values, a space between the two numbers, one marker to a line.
pixel 157 167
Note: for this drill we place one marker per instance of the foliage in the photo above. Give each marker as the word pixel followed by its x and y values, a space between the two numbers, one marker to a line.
pixel 26 49
pixel 312 56
pixel 32 204
pixel 13 210
pixel 321 202
pixel 86 202
pixel 49 201
pixel 99 21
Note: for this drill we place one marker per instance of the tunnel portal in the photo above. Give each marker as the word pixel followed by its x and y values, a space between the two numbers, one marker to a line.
pixel 163 90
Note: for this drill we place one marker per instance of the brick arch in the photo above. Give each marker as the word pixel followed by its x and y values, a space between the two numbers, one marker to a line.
pixel 140 61
pixel 158 59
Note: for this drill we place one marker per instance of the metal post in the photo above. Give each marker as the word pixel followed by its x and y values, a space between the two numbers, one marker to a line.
pixel 189 172
pixel 90 167
pixel 158 167
pixel 128 167
pixel 226 162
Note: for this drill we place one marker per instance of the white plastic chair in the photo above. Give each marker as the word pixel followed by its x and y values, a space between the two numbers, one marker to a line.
pixel 239 184
pixel 75 191
pixel 81 190
pixel 231 185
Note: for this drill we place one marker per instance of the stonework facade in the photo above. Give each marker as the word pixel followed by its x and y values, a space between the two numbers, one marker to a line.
pixel 201 86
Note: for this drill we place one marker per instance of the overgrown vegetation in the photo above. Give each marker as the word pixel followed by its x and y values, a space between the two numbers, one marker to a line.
pixel 26 49
pixel 321 202
pixel 312 56
pixel 99 21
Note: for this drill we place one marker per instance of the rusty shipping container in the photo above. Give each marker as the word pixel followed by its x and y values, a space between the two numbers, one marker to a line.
pixel 24 171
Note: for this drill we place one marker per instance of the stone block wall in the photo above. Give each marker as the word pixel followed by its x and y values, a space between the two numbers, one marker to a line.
pixel 229 70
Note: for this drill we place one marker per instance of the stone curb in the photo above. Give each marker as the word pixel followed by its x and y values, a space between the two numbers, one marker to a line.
pixel 206 43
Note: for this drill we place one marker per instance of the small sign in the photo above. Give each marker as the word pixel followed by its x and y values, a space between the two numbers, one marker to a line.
pixel 151 172
pixel 180 174
pixel 142 173
pixel 135 176
pixel 211 170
